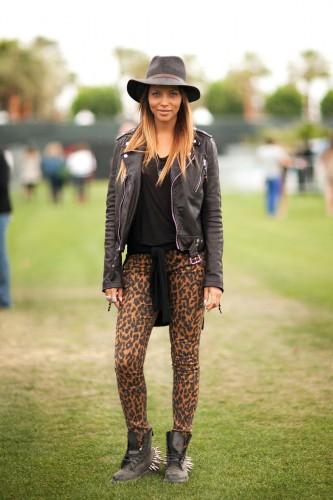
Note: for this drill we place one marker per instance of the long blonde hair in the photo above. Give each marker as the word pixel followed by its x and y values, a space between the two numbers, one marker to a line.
pixel 144 138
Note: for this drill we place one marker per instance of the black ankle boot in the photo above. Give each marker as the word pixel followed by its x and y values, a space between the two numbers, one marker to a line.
pixel 178 464
pixel 138 460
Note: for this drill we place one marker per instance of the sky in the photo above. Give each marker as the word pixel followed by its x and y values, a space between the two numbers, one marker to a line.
pixel 218 32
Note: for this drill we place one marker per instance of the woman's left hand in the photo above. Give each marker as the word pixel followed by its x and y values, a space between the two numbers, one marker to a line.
pixel 212 297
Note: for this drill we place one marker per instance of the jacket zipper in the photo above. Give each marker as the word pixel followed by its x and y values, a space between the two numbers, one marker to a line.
pixel 172 212
pixel 121 203
pixel 173 216
pixel 204 169
pixel 197 186
pixel 199 182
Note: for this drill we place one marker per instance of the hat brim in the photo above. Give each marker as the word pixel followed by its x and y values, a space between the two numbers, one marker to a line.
pixel 136 88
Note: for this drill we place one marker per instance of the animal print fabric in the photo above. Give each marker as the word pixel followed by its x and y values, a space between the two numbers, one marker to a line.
pixel 135 321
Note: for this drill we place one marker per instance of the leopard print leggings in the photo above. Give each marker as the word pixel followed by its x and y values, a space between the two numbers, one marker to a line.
pixel 135 321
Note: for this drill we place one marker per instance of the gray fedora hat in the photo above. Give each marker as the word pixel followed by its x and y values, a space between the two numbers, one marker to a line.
pixel 163 70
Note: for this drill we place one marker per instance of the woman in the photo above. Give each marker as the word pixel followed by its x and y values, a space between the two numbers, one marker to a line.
pixel 163 202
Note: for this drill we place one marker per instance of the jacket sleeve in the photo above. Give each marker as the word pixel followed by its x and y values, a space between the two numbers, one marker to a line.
pixel 212 220
pixel 112 276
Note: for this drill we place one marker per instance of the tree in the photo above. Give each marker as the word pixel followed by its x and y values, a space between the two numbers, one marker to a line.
pixel 245 78
pixel 310 67
pixel 234 96
pixel 19 71
pixel 104 102
pixel 194 72
pixel 31 77
pixel 222 98
pixel 326 105
pixel 131 62
pixel 54 77
pixel 285 102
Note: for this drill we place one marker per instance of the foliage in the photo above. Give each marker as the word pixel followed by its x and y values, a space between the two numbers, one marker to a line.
pixel 131 62
pixel 244 77
pixel 311 130
pixel 326 105
pixel 292 135
pixel 12 57
pixel 252 66
pixel 104 102
pixel 194 72
pixel 234 96
pixel 285 102
pixel 224 99
pixel 311 66
pixel 35 73
pixel 245 80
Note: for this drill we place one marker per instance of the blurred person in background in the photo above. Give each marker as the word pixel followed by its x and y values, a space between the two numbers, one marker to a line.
pixel 5 210
pixel 9 158
pixel 31 170
pixel 283 199
pixel 273 158
pixel 81 165
pixel 54 169
pixel 292 162
pixel 326 160
pixel 164 203
pixel 304 164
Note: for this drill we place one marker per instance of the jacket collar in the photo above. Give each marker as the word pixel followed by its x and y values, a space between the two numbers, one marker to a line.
pixel 133 161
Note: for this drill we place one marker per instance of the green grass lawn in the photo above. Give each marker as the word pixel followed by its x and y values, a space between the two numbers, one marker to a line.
pixel 263 428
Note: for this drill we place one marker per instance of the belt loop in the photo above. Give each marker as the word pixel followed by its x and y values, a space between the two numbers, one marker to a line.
pixel 193 251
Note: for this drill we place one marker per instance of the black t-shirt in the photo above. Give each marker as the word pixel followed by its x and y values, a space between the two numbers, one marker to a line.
pixel 5 205
pixel 153 224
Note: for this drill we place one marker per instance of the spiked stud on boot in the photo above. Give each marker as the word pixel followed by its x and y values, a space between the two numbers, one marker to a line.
pixel 138 460
pixel 177 463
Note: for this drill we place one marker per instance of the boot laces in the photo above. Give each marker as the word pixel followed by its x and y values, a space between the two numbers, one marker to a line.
pixel 176 458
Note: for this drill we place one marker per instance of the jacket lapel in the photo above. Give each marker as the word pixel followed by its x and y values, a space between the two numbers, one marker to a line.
pixel 133 161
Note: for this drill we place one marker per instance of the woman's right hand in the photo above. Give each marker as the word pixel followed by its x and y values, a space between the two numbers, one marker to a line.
pixel 114 296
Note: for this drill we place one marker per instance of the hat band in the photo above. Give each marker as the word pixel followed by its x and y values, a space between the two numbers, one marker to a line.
pixel 166 75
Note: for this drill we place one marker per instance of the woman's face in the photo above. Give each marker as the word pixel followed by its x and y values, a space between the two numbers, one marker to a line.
pixel 164 102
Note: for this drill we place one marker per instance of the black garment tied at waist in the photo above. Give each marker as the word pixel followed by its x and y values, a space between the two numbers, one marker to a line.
pixel 159 287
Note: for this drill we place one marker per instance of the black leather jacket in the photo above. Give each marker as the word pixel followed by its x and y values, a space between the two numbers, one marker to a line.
pixel 195 206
